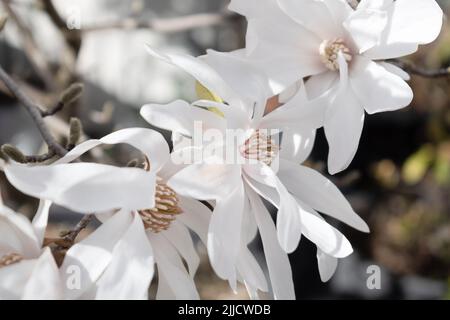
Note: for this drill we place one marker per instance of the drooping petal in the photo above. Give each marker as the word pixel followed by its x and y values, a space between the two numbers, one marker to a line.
pixel 131 268
pixel 171 268
pixel 377 89
pixel 89 258
pixel 288 217
pixel 85 187
pixel 250 270
pixel 44 282
pixel 224 234
pixel 319 193
pixel 178 235
pixel 327 265
pixel 277 260
pixel 323 235
pixel 343 126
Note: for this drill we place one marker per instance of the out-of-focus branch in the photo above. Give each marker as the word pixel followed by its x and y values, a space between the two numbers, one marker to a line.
pixel 37 59
pixel 34 111
pixel 420 71
pixel 168 25
pixel 74 40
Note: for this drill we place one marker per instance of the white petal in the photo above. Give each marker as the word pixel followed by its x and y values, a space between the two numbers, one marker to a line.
pixel 249 227
pixel 296 111
pixel 149 142
pixel 206 181
pixel 250 270
pixel 201 71
pixel 179 116
pixel 40 220
pixel 17 235
pixel 365 27
pixel 377 89
pixel 343 126
pixel 224 234
pixel 395 70
pixel 415 21
pixel 314 15
pixel 178 235
pixel 297 144
pixel 277 260
pixel 288 217
pixel 322 234
pixel 319 193
pixel 196 216
pixel 411 22
pixel 247 81
pixel 171 268
pixel 90 257
pixel 327 265
pixel 320 83
pixel 131 269
pixel 85 187
pixel 14 278
pixel 44 282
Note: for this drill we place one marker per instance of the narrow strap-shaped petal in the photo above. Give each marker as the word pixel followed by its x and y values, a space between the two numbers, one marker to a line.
pixel 277 260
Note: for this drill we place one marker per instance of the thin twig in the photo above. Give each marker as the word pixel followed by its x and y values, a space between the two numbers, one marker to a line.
pixel 82 224
pixel 31 49
pixel 34 111
pixel 52 111
pixel 413 69
pixel 40 158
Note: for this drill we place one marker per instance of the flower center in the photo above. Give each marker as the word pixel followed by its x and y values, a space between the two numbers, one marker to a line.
pixel 260 147
pixel 329 50
pixel 10 259
pixel 166 208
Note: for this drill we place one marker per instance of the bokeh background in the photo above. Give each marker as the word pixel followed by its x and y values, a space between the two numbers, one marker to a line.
pixel 399 180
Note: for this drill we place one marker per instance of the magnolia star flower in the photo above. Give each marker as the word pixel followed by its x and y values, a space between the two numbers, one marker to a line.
pixel 340 47
pixel 240 94
pixel 27 271
pixel 152 226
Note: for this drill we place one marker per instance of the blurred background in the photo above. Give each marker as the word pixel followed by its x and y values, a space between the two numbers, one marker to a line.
pixel 399 181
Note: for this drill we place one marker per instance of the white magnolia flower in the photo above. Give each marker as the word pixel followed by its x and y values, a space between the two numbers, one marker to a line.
pixel 343 48
pixel 241 93
pixel 27 271
pixel 152 226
